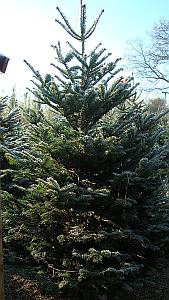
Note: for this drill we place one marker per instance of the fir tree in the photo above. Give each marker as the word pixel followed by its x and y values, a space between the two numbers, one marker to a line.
pixel 95 217
pixel 9 128
pixel 84 94
pixel 8 149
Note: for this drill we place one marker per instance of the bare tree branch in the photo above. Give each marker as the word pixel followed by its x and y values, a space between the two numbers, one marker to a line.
pixel 151 61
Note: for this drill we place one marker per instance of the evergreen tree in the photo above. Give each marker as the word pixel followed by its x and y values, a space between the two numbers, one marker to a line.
pixel 9 128
pixel 97 210
pixel 8 149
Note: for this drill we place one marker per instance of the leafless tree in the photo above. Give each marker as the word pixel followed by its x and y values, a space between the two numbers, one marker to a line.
pixel 157 105
pixel 150 60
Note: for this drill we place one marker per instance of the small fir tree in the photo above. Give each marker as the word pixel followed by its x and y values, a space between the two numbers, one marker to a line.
pixel 8 149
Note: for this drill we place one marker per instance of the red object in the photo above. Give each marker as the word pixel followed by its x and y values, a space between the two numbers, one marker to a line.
pixel 3 63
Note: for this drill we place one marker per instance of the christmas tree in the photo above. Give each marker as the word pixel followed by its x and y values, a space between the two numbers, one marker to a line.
pixel 8 150
pixel 94 214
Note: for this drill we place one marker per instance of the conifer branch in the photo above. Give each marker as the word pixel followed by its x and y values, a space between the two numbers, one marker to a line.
pixel 81 60
pixel 67 74
pixel 36 73
pixel 62 71
pixel 93 27
pixel 94 57
pixel 69 57
pixel 60 57
pixel 57 77
pixel 43 100
pixel 94 50
pixel 73 48
pixel 103 59
pixel 112 75
pixel 69 29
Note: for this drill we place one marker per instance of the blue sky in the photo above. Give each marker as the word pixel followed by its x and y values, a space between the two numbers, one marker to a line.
pixel 28 28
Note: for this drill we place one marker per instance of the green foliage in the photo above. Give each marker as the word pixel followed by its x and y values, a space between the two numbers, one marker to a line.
pixel 89 203
pixel 84 93
pixel 9 127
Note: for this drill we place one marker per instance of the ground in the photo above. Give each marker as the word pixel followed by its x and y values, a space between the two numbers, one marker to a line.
pixel 153 286
pixel 20 284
